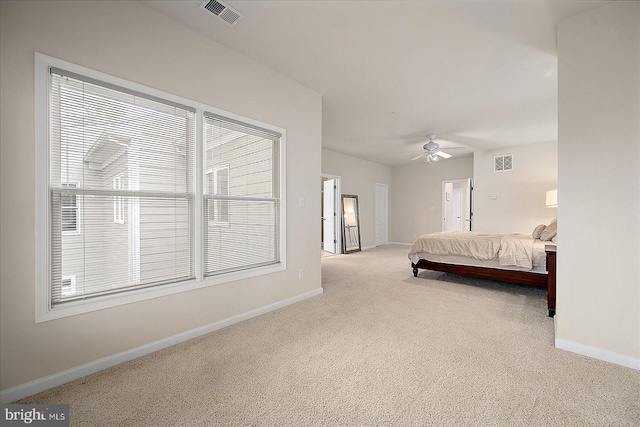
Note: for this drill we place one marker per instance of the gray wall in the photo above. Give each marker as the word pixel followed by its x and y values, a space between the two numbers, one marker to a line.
pixel 359 177
pixel 132 41
pixel 416 196
pixel 598 282
pixel 520 193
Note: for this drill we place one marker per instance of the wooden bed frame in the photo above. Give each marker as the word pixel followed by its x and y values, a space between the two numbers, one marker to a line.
pixel 527 278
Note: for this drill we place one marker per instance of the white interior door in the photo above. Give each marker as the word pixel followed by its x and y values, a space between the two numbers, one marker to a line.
pixel 457 209
pixel 382 195
pixel 468 212
pixel 329 216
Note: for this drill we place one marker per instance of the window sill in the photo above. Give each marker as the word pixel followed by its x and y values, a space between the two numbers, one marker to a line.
pixel 107 301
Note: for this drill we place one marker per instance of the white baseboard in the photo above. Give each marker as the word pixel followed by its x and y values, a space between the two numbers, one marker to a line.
pixel 401 243
pixel 598 353
pixel 45 383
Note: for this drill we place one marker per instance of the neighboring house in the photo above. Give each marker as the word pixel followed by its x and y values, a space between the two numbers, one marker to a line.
pixel 122 180
pixel 239 163
pixel 106 147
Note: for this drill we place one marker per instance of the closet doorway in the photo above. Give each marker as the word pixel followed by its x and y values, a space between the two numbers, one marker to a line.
pixel 457 205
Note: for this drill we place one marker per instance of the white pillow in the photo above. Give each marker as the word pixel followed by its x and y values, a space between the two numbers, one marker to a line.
pixel 538 231
pixel 550 231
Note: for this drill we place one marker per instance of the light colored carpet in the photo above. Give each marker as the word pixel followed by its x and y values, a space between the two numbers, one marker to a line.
pixel 379 347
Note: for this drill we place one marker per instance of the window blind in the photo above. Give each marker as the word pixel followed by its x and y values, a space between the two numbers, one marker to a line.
pixel 121 189
pixel 241 197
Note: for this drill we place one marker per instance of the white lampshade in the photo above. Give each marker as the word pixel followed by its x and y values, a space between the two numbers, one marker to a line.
pixel 552 199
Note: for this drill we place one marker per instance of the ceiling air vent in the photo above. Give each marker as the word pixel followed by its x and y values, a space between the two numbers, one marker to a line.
pixel 503 163
pixel 223 11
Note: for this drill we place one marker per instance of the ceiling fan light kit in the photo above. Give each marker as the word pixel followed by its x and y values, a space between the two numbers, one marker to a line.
pixel 431 158
pixel 432 152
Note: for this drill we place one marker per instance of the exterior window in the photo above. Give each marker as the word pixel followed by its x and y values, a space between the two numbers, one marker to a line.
pixel 69 206
pixel 246 201
pixel 118 201
pixel 68 286
pixel 122 163
pixel 97 131
pixel 218 210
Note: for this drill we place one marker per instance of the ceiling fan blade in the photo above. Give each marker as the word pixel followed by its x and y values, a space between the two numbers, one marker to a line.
pixel 443 154
pixel 421 155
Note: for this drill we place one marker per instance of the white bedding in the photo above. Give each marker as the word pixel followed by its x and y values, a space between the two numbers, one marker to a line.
pixel 516 251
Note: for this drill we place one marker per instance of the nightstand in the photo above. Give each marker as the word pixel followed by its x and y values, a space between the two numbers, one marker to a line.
pixel 551 278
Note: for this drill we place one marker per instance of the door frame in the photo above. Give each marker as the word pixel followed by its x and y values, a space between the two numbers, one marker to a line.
pixel 337 229
pixel 469 199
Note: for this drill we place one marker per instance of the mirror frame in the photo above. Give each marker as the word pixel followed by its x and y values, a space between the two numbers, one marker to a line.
pixel 344 226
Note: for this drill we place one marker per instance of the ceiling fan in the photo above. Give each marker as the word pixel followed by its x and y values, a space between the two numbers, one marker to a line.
pixel 432 152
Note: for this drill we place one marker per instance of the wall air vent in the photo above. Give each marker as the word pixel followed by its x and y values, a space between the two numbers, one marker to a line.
pixel 222 11
pixel 503 163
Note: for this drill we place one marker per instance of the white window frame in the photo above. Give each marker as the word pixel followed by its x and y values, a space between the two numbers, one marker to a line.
pixel 44 309
pixel 118 201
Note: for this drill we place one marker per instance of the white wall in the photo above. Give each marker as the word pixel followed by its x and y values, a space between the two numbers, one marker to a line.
pixel 598 276
pixel 416 196
pixel 359 177
pixel 520 193
pixel 132 41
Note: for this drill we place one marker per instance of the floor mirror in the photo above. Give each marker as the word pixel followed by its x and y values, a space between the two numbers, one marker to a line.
pixel 350 224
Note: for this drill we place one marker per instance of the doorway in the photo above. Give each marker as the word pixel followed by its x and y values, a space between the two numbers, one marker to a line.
pixel 457 205
pixel 330 216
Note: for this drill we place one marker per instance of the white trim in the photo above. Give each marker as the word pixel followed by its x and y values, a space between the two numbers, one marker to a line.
pixel 43 309
pixel 198 171
pixel 401 243
pixel 282 166
pixel 45 383
pixel 598 353
pixel 338 206
pixel 114 300
pixel 42 224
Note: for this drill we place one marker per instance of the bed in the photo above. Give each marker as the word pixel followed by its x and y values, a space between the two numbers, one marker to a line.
pixel 513 258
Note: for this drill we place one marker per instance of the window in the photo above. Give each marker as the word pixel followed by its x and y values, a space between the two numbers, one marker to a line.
pixel 69 206
pixel 248 199
pixel 122 167
pixel 218 182
pixel 97 132
pixel 118 201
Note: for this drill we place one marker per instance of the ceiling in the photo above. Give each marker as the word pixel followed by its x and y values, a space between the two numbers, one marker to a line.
pixel 478 74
